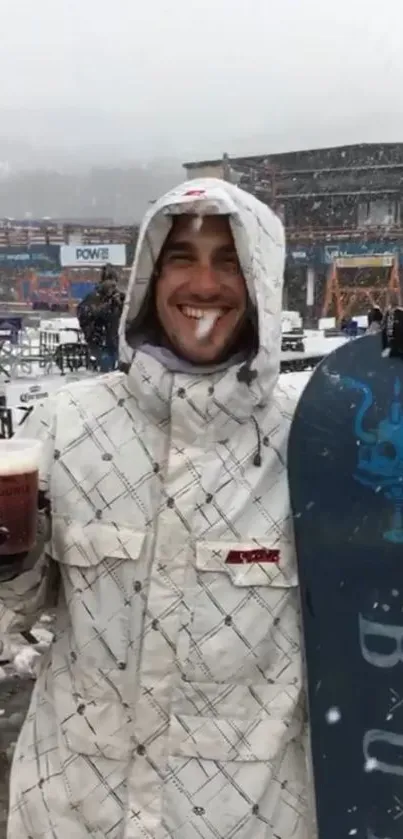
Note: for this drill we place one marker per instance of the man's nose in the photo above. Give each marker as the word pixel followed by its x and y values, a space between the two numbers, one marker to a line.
pixel 207 280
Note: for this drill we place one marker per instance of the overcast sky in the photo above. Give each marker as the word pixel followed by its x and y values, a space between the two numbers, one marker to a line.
pixel 194 78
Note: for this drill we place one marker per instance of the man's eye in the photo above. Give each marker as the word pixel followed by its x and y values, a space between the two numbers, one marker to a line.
pixel 229 263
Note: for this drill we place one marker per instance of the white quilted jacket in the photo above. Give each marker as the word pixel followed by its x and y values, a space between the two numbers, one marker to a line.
pixel 170 705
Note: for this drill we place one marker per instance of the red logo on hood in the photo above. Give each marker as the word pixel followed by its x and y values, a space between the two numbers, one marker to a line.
pixel 195 192
pixel 254 555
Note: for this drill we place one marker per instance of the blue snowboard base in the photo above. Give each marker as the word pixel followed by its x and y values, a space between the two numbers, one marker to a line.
pixel 345 463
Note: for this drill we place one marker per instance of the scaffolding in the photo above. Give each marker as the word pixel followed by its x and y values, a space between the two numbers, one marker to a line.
pixel 375 283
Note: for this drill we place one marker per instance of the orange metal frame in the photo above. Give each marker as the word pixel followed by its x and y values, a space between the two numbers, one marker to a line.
pixel 343 299
pixel 58 289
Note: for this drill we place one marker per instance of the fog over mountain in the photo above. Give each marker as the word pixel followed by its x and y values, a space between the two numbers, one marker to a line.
pixel 119 193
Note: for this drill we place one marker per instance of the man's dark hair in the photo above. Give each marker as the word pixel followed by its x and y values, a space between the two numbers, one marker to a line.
pixel 109 273
pixel 375 315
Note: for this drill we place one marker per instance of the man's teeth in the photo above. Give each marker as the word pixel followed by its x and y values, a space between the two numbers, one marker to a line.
pixel 201 313
pixel 205 318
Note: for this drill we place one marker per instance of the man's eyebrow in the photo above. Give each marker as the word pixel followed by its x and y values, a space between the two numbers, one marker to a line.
pixel 183 246
pixel 176 246
pixel 227 250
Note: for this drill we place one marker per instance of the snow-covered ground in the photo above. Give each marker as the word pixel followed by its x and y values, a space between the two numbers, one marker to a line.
pixel 18 656
pixel 316 343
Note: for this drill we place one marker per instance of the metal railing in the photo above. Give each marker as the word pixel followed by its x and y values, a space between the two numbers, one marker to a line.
pixel 17 358
pixel 32 354
pixel 323 234
pixel 59 234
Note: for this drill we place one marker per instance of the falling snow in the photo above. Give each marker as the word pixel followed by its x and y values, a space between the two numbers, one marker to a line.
pixel 197 223
pixel 333 715
pixel 371 764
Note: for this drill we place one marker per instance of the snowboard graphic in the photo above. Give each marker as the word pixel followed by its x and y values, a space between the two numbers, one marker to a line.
pixel 345 463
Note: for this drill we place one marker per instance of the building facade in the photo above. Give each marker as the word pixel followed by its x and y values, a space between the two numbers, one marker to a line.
pixel 53 265
pixel 343 212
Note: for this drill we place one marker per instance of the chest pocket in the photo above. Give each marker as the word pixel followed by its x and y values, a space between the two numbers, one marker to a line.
pixel 243 616
pixel 103 577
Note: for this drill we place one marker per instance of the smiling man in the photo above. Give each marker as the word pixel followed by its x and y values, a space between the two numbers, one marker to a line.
pixel 197 309
pixel 200 278
pixel 171 703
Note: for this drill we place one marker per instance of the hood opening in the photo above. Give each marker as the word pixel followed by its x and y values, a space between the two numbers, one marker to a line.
pixel 259 240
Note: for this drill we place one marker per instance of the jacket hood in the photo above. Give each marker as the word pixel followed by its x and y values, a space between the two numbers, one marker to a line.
pixel 259 240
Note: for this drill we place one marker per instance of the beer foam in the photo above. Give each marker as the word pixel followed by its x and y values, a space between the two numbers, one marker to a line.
pixel 19 456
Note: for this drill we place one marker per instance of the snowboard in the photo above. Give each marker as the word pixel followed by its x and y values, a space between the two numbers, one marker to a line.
pixel 345 467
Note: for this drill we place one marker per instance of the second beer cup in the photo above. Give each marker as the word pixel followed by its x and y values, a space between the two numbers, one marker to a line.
pixel 19 478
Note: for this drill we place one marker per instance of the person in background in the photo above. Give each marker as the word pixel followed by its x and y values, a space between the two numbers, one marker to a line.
pixel 349 327
pixel 375 318
pixel 98 316
pixel 171 704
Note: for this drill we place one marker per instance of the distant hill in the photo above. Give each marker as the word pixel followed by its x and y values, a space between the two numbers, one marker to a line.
pixel 119 193
pixel 80 162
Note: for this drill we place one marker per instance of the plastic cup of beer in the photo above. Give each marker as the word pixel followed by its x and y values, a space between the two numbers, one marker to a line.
pixel 19 480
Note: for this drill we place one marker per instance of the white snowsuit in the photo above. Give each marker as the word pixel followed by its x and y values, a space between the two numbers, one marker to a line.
pixel 170 705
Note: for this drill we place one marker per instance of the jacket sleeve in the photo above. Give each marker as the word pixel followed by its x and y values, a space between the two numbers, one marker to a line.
pixel 35 584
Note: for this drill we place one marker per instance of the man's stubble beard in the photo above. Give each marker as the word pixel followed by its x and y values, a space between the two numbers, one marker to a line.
pixel 244 338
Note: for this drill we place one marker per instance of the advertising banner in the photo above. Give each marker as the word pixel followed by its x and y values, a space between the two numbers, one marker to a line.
pixel 347 254
pixel 384 261
pixel 43 257
pixel 301 255
pixel 92 256
pixel 346 250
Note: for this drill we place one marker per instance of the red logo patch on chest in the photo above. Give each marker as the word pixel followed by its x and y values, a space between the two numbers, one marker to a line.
pixel 254 555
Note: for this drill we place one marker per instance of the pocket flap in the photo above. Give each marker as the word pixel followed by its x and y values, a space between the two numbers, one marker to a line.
pixel 212 738
pixel 85 545
pixel 261 563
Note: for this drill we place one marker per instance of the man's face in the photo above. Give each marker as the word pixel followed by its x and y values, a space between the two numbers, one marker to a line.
pixel 108 287
pixel 200 274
